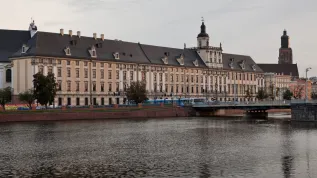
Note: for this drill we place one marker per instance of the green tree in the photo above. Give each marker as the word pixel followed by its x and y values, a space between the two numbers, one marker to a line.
pixel 261 95
pixel 137 92
pixel 287 95
pixel 314 95
pixel 44 88
pixel 28 97
pixel 5 96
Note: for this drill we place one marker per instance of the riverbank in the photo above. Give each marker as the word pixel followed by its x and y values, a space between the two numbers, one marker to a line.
pixel 92 113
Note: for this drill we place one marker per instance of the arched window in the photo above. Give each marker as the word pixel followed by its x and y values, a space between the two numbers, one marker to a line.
pixel 8 75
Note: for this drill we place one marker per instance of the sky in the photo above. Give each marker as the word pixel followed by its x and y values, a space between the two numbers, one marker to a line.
pixel 248 27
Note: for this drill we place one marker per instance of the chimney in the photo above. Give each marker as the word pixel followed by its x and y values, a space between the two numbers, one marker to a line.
pixel 62 32
pixel 70 33
pixel 95 36
pixel 78 34
pixel 102 36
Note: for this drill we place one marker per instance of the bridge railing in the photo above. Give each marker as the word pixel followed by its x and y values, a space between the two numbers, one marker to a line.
pixel 303 101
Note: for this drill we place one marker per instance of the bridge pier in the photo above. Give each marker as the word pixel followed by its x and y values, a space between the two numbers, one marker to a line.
pixel 256 114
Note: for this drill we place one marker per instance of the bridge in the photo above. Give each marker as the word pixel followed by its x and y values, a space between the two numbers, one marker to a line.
pixel 255 110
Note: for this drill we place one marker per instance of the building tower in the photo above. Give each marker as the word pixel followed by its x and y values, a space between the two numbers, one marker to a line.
pixel 212 56
pixel 285 52
pixel 32 28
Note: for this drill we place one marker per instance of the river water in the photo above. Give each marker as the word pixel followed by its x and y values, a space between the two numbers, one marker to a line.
pixel 182 147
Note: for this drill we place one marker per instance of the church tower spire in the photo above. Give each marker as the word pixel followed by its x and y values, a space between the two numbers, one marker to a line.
pixel 285 52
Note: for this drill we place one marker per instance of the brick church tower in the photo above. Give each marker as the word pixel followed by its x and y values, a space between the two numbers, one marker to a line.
pixel 285 53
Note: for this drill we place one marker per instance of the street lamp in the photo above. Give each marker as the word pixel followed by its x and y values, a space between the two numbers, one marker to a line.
pixel 307 69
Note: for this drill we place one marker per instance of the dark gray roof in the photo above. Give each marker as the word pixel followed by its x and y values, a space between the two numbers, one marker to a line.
pixel 156 53
pixel 11 41
pixel 286 69
pixel 237 60
pixel 53 45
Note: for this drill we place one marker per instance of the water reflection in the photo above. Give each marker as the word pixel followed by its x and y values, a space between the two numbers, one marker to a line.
pixel 158 148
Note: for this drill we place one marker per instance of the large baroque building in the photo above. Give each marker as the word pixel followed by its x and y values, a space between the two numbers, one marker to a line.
pixel 95 70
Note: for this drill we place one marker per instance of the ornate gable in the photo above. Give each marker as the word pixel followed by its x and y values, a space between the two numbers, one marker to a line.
pixel 116 55
pixel 231 63
pixel 180 60
pixel 165 60
pixel 195 62
pixel 67 51
pixel 242 64
pixel 25 48
pixel 254 67
pixel 93 52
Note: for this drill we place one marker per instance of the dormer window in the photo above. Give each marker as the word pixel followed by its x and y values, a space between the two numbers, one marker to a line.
pixel 67 51
pixel 254 67
pixel 242 65
pixel 231 63
pixel 165 60
pixel 24 49
pixel 116 55
pixel 93 52
pixel 195 62
pixel 180 60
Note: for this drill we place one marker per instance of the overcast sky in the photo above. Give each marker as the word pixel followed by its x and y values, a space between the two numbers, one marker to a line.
pixel 250 27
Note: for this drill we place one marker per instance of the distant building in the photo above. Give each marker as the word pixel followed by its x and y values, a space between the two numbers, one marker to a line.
pixel 276 84
pixel 298 88
pixel 285 52
pixel 314 87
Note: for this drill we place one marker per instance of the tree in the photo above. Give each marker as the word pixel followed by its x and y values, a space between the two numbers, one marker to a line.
pixel 314 95
pixel 5 96
pixel 298 92
pixel 28 97
pixel 137 92
pixel 277 92
pixel 261 95
pixel 287 95
pixel 44 88
pixel 271 92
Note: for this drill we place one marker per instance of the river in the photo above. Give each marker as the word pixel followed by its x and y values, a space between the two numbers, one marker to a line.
pixel 181 147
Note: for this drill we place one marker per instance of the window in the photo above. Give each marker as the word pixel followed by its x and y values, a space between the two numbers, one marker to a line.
pixel 102 87
pixel 77 86
pixel 94 53
pixel 77 63
pixel 117 87
pixel 59 72
pixel 110 87
pixel 154 77
pixel 50 61
pixel 85 63
pixel 94 64
pixel 86 101
pixel 68 62
pixel 86 73
pixel 8 75
pixel 161 77
pixel 77 73
pixel 166 77
pixel 94 86
pixel 109 74
pixel 59 61
pixel 131 75
pixel 94 73
pixel 117 74
pixel 176 78
pixel 102 101
pixel 172 78
pixel 68 72
pixel 124 75
pixel 59 85
pixel 102 64
pixel 50 70
pixel 60 101
pixel 86 86
pixel 77 101
pixel 102 74
pixel 182 78
pixel 109 65
pixel 69 101
pixel 41 70
pixel 68 86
